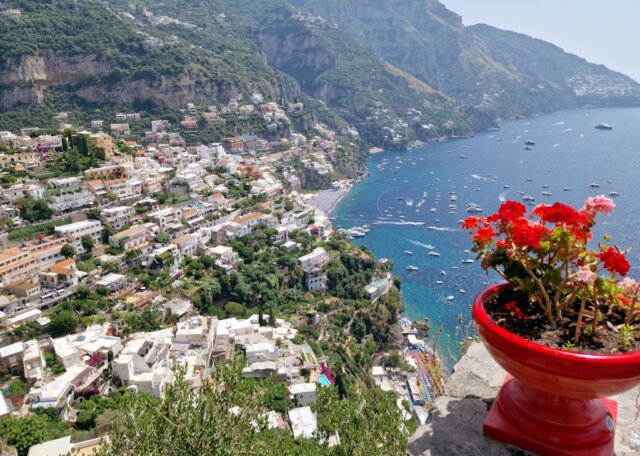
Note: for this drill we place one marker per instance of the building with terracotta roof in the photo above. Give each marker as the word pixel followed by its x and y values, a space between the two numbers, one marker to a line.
pixel 250 220
pixel 61 273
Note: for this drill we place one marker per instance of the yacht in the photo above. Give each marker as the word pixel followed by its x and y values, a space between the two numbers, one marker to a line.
pixel 439 282
pixel 449 298
pixel 408 252
pixel 463 156
pixel 545 186
pixel 436 254
pixel 604 126
pixel 614 194
pixel 409 202
pixel 566 189
pixel 530 143
pixel 411 268
pixel 594 185
pixel 443 273
pixel 505 186
pixel 546 193
pixel 528 198
pixel 472 207
pixel 466 261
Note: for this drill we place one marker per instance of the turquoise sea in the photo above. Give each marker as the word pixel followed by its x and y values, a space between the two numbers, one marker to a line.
pixel 568 152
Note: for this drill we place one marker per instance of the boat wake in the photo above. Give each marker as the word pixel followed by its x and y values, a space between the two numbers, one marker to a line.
pixel 391 222
pixel 441 228
pixel 421 244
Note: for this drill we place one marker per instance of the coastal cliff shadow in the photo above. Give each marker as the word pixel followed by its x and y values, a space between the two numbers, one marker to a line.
pixel 454 428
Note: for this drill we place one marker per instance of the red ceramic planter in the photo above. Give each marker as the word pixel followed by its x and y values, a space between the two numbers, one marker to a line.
pixel 551 402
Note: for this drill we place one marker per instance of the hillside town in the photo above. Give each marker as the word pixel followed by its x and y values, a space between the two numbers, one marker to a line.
pixel 130 260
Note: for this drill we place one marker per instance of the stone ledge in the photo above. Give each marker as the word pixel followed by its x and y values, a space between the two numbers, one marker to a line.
pixel 454 427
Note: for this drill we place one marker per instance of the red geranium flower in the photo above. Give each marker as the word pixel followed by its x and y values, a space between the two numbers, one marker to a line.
pixel 471 222
pixel 614 262
pixel 560 213
pixel 511 210
pixel 528 234
pixel 484 234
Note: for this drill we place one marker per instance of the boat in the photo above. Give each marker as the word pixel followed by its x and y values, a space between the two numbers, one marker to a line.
pixel 529 179
pixel 409 202
pixel 614 194
pixel 546 193
pixel 472 207
pixel 411 268
pixel 528 198
pixel 434 254
pixel 449 298
pixel 408 252
pixel 433 209
pixel 594 185
pixel 566 189
pixel 466 261
pixel 400 198
pixel 463 156
pixel 439 282
pixel 443 273
pixel 604 126
pixel 505 186
pixel 527 148
pixel 545 186
pixel 366 228
pixel 530 143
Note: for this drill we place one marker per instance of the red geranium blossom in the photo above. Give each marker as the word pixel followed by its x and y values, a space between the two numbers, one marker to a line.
pixel 484 234
pixel 559 213
pixel 528 234
pixel 614 262
pixel 511 210
pixel 471 222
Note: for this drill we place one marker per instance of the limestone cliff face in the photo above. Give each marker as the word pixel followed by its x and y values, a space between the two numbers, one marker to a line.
pixel 25 81
pixel 26 78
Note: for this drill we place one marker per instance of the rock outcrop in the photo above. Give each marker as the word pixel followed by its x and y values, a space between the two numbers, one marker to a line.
pixel 454 427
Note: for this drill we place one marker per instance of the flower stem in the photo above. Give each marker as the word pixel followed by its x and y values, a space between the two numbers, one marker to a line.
pixel 583 303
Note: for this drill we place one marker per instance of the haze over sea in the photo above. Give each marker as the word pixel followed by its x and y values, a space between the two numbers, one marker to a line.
pixel 569 152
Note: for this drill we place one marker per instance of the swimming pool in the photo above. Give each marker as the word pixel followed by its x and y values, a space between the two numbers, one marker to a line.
pixel 324 381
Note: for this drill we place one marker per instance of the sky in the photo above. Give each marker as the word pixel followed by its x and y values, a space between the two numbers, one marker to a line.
pixel 604 32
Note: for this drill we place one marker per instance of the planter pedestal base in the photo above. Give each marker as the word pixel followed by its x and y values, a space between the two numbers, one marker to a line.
pixel 536 421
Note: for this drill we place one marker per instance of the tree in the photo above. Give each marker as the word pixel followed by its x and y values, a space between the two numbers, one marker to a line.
pixel 67 251
pixel 26 432
pixel 163 238
pixel 87 243
pixel 234 309
pixel 107 231
pixel 260 316
pixel 63 322
pixel 34 210
pixel 93 214
pixel 272 318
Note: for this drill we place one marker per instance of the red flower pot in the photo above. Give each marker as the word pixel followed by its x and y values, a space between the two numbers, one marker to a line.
pixel 551 402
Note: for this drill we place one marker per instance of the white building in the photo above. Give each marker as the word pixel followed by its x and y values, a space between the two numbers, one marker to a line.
pixel 75 231
pixel 114 282
pixel 117 216
pixel 303 393
pixel 131 238
pixel 303 423
pixel 315 259
pixel 261 352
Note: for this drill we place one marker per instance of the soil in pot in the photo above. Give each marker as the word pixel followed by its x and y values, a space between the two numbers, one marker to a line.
pixel 514 312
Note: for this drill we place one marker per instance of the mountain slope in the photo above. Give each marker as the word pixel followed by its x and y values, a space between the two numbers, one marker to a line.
pixel 503 73
pixel 97 56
